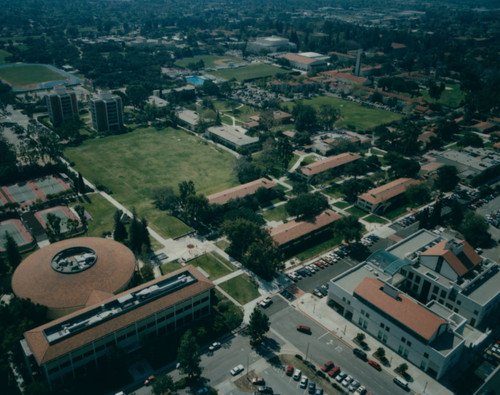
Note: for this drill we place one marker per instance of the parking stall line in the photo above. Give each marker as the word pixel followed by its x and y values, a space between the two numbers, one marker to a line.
pixel 323 335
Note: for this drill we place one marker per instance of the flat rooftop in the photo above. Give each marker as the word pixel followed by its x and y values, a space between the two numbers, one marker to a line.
pixel 413 243
pixel 486 287
pixel 351 279
pixel 233 134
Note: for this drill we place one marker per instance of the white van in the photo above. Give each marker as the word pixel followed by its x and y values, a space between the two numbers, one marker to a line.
pixel 401 382
pixel 297 374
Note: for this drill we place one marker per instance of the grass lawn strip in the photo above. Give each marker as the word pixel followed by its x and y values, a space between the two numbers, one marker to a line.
pixel 319 249
pixel 241 288
pixel 133 164
pixel 276 214
pixel 353 115
pixel 222 244
pixel 102 213
pixel 211 265
pixel 24 76
pixel 170 267
pixel 375 219
pixel 223 261
pixel 341 204
pixel 356 211
pixel 209 60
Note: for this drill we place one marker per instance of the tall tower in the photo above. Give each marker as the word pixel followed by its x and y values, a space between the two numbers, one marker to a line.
pixel 62 105
pixel 357 70
pixel 107 113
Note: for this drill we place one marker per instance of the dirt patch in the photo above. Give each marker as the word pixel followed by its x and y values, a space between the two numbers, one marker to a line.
pixel 244 383
pixel 222 62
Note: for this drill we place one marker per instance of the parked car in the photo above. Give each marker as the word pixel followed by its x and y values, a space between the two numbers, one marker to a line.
pixel 354 384
pixel 303 382
pixel 258 381
pixel 297 375
pixel 237 369
pixel 214 346
pixel 327 366
pixel 265 390
pixel 346 381
pixel 149 379
pixel 361 390
pixel 265 302
pixel 289 370
pixel 359 353
pixel 319 391
pixel 375 364
pixel 317 292
pixel 332 373
pixel 312 387
pixel 304 329
pixel 201 391
pixel 341 376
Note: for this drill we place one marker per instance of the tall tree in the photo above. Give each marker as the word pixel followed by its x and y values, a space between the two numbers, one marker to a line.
pixel 258 326
pixel 53 229
pixel 475 230
pixel 120 232
pixel 80 210
pixel 447 178
pixel 307 205
pixel 135 233
pixel 284 152
pixel 163 385
pixel 12 251
pixel 186 189
pixel 349 227
pixel 188 355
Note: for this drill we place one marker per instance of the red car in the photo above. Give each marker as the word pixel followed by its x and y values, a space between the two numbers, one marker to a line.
pixel 319 264
pixel 149 380
pixel 332 373
pixel 327 366
pixel 258 381
pixel 289 370
pixel 375 364
pixel 304 329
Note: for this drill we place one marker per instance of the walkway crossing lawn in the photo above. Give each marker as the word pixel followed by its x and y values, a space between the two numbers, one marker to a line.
pixel 210 61
pixel 212 265
pixel 102 213
pixel 353 115
pixel 276 214
pixel 132 165
pixel 375 219
pixel 241 288
pixel 170 267
pixel 250 72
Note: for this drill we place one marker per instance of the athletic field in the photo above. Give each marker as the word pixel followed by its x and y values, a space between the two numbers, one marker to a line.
pixel 210 61
pixel 29 76
pixel 132 165
pixel 250 72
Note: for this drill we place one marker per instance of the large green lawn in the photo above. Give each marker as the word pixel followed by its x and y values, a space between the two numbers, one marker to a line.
pixel 132 165
pixel 27 76
pixel 241 288
pixel 102 213
pixel 210 61
pixel 250 72
pixel 452 96
pixel 352 115
pixel 215 267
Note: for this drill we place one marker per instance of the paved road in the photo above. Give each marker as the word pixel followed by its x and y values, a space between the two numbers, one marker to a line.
pixel 322 346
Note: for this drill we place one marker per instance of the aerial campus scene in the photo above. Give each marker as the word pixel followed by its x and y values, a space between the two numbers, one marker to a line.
pixel 263 197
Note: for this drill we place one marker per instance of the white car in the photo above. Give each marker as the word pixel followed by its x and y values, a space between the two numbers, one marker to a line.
pixel 265 302
pixel 297 374
pixel 361 390
pixel 303 382
pixel 237 369
pixel 214 346
pixel 346 381
pixel 340 377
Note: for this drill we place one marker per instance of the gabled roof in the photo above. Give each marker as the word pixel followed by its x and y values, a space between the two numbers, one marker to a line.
pixel 329 163
pixel 44 352
pixel 240 191
pixel 387 191
pixel 461 263
pixel 292 230
pixel 404 310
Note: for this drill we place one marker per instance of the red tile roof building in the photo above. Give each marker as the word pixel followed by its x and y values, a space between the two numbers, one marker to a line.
pixel 64 346
pixel 240 191
pixel 292 232
pixel 376 197
pixel 309 171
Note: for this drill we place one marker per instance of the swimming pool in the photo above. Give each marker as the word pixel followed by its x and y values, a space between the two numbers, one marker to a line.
pixel 195 80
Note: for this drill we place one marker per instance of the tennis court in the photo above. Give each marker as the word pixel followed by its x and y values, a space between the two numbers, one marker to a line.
pixel 16 229
pixel 49 185
pixel 21 193
pixel 60 211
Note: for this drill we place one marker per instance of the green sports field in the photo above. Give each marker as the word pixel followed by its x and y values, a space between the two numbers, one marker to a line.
pixel 28 76
pixel 250 72
pixel 353 115
pixel 132 165
pixel 209 60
